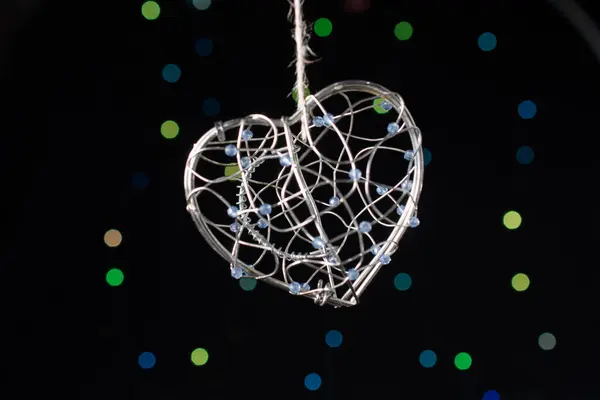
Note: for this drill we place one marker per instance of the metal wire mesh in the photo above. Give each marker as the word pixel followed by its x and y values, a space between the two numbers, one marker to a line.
pixel 317 217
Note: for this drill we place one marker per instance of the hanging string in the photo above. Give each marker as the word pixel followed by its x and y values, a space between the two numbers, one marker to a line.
pixel 301 40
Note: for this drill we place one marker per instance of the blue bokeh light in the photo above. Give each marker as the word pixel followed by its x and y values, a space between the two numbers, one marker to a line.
pixel 147 360
pixel 527 109
pixel 426 156
pixel 487 41
pixel 428 358
pixel 334 338
pixel 525 155
pixel 491 395
pixel 211 107
pixel 140 180
pixel 402 281
pixel 171 73
pixel 204 47
pixel 312 381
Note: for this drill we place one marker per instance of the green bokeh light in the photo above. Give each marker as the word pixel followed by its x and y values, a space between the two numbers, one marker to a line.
pixel 248 284
pixel 463 361
pixel 115 277
pixel 150 10
pixel 377 106
pixel 512 220
pixel 295 93
pixel 547 341
pixel 199 357
pixel 323 27
pixel 169 129
pixel 403 30
pixel 232 169
pixel 520 282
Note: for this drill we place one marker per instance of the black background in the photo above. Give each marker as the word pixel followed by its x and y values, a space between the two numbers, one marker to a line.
pixel 83 103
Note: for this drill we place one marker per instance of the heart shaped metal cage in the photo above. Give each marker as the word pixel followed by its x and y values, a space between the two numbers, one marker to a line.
pixel 328 222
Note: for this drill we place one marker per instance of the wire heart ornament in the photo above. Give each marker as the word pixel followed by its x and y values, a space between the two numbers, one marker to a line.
pixel 329 208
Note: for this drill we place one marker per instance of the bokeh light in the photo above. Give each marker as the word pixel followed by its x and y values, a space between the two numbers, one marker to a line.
pixel 525 155
pixel 463 361
pixel 377 106
pixel 520 282
pixel 402 281
pixel 323 27
pixel 204 47
pixel 115 277
pixel 512 220
pixel 113 238
pixel 426 156
pixel 199 357
pixel 150 10
pixel 139 180
pixel 403 30
pixel 295 93
pixel 491 395
pixel 146 360
pixel 527 109
pixel 231 169
pixel 211 107
pixel 312 381
pixel 334 338
pixel 202 4
pixel 171 73
pixel 356 5
pixel 248 284
pixel 487 41
pixel 428 358
pixel 547 341
pixel 169 129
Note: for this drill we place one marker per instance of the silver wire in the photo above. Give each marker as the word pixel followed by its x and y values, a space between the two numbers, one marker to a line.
pixel 329 280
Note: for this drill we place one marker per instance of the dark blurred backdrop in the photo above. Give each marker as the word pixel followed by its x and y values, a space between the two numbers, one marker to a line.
pixel 84 99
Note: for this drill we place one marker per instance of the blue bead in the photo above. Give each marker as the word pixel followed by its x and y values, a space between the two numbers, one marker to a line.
pixel 381 190
pixel 365 227
pixel 409 155
pixel 237 272
pixel 265 209
pixel 233 211
pixel 294 288
pixel 407 185
pixel 386 105
pixel 247 134
pixel 352 274
pixel 305 287
pixel 245 161
pixel 334 338
pixel 414 222
pixel 234 227
pixel 262 224
pixel 393 128
pixel 318 122
pixel 355 174
pixel 318 243
pixel 332 259
pixel 285 161
pixel 334 201
pixel 328 119
pixel 230 150
pixel 375 249
pixel 385 259
pixel 400 209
